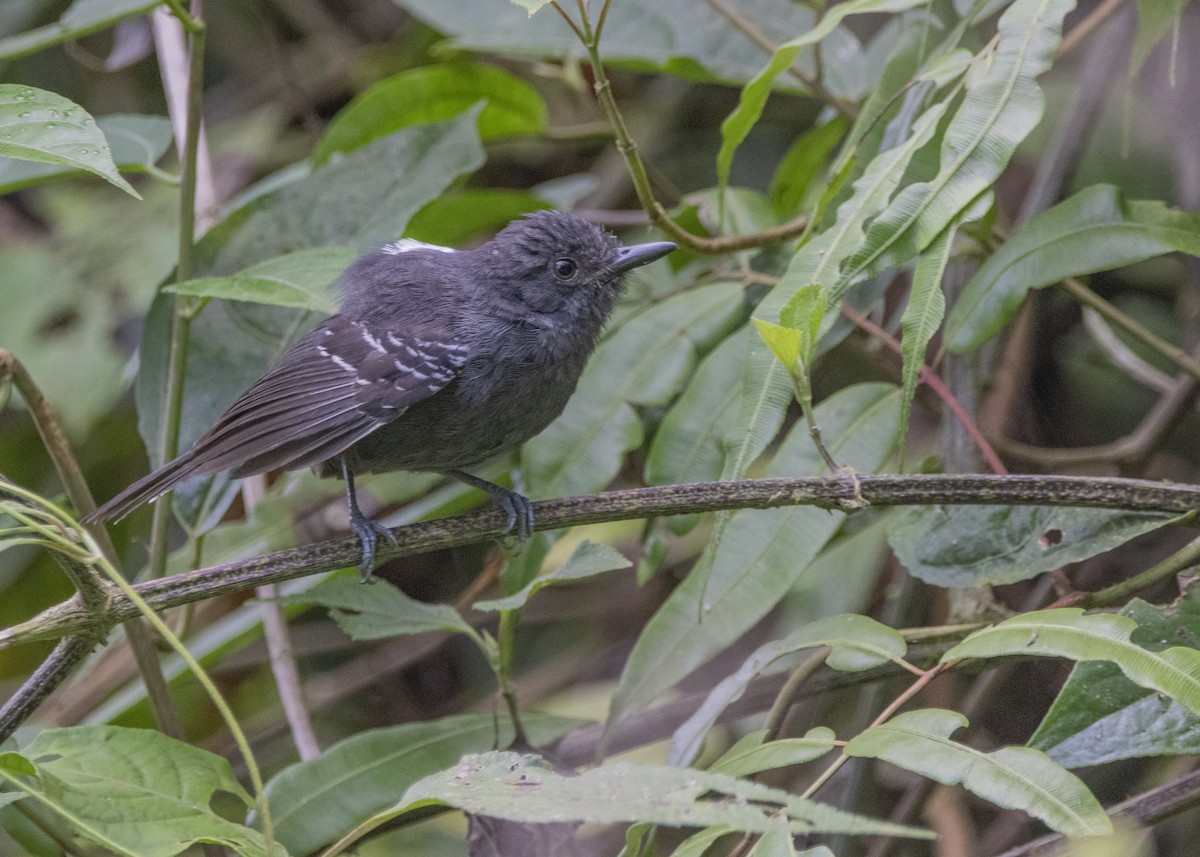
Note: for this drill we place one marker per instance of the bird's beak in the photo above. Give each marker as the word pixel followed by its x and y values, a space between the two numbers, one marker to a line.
pixel 636 255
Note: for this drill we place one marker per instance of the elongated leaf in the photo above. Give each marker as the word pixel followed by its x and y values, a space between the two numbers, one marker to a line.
pixel 922 318
pixel 977 545
pixel 1068 633
pixel 745 116
pixel 1003 104
pixel 698 843
pixel 134 791
pixel 688 445
pixel 527 789
pixel 750 755
pixel 430 94
pixel 316 802
pixel 1012 777
pixel 857 643
pixel 760 555
pixel 81 18
pixel 800 167
pixel 302 279
pixel 41 126
pixel 1101 716
pixel 1095 230
pixel 588 560
pixel 380 610
pixel 137 142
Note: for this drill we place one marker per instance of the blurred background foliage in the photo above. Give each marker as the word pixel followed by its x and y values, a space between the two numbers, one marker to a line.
pixel 346 124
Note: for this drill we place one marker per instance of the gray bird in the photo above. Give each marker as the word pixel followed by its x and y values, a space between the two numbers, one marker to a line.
pixel 439 360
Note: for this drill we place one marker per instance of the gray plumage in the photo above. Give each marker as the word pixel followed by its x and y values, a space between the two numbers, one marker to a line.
pixel 438 361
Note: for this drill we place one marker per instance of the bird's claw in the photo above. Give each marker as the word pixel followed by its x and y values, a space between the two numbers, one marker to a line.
pixel 368 533
pixel 518 511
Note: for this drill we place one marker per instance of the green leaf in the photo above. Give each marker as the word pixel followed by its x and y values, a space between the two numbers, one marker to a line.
pixel 135 791
pixel 775 843
pixel 688 445
pixel 857 643
pixel 1155 19
pixel 760 555
pixel 41 126
pixel 531 5
pixel 452 218
pixel 1011 777
pixel 753 99
pixel 802 164
pixel 588 560
pixel 302 279
pixel 1101 716
pixel 527 789
pixel 420 96
pixel 750 755
pixel 377 610
pixel 1097 229
pixel 1067 633
pixel 137 143
pixel 785 342
pixel 922 317
pixel 978 545
pixel 683 37
pixel 698 843
pixel 644 362
pixel 81 18
pixel 1002 106
pixel 316 802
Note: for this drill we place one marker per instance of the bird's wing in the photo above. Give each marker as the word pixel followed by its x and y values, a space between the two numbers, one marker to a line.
pixel 338 384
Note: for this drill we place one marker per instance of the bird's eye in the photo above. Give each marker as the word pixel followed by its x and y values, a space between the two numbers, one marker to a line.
pixel 565 269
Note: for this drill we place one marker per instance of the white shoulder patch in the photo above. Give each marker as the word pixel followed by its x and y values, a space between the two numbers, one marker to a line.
pixel 407 245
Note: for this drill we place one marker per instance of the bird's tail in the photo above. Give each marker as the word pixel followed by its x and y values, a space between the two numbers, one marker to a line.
pixel 146 489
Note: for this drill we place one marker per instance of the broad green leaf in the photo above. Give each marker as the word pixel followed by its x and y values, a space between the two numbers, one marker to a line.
pixel 41 126
pixel 698 844
pixel 785 343
pixel 303 279
pixel 588 560
pixel 370 612
pixel 137 142
pixel 1011 777
pixel 527 789
pixel 430 94
pixel 11 797
pixel 316 802
pixel 775 843
pixel 688 444
pixel 1067 632
pixel 1097 229
pixel 637 837
pixel 750 755
pixel 134 791
pixel 692 40
pixel 800 167
pixel 452 218
pixel 1101 716
pixel 644 362
pixel 1002 106
pixel 531 5
pixel 856 643
pixel 978 545
pixel 760 555
pixel 81 18
pixel 737 125
pixel 922 317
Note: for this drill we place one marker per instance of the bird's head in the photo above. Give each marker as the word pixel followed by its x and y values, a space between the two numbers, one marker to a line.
pixel 552 260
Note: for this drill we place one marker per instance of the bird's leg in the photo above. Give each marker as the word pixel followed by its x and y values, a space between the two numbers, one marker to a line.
pixel 368 531
pixel 516 506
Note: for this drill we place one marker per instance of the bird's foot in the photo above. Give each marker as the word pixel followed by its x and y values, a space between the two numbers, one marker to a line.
pixel 368 533
pixel 517 509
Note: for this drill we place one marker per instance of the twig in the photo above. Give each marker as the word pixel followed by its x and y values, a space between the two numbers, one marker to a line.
pixel 833 492
pixel 49 675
